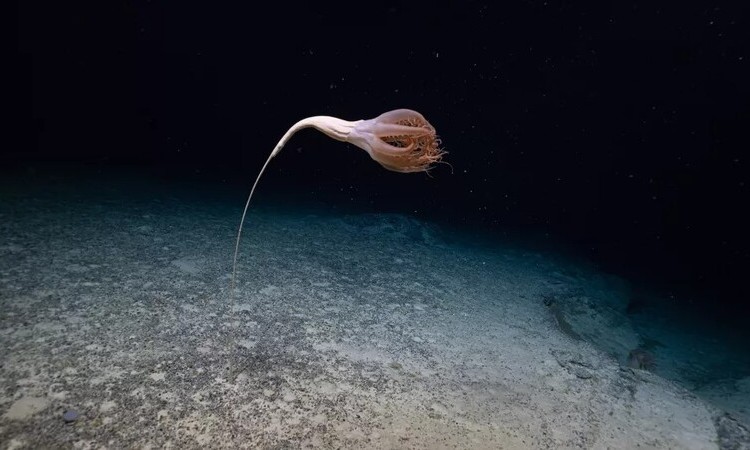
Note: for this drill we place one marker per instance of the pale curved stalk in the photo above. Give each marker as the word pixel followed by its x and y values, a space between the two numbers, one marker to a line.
pixel 333 127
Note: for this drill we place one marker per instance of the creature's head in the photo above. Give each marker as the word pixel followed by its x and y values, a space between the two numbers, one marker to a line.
pixel 401 140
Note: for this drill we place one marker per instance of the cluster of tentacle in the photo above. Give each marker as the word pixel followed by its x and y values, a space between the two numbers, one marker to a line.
pixel 421 148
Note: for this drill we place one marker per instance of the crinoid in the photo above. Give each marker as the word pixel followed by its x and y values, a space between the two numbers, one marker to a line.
pixel 401 140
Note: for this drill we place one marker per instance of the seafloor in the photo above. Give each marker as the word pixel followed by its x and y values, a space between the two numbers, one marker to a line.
pixel 349 330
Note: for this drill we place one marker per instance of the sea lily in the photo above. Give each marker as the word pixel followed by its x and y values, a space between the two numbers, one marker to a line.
pixel 401 140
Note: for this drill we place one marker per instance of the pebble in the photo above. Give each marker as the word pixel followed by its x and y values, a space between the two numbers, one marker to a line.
pixel 70 416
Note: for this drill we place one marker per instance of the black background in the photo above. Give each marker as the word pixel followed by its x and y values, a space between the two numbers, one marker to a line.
pixel 617 127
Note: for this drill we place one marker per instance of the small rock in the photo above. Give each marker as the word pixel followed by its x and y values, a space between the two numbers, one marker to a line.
pixel 582 373
pixel 70 416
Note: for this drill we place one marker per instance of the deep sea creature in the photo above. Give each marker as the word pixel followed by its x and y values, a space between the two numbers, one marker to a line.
pixel 401 140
